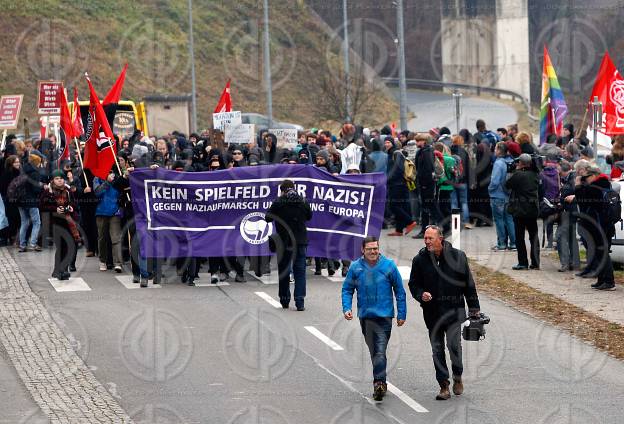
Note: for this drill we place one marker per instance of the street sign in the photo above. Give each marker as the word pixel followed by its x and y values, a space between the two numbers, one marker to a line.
pixel 9 111
pixel 49 100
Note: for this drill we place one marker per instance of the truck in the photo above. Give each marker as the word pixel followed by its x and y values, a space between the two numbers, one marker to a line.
pixel 129 116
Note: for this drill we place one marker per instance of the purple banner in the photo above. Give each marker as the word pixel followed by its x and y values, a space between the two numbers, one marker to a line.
pixel 221 213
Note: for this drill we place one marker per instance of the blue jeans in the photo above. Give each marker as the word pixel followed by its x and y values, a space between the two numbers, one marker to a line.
pixel 295 255
pixel 376 333
pixel 504 223
pixel 28 215
pixel 459 198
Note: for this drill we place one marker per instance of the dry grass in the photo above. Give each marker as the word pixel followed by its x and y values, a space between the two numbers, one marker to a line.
pixel 603 334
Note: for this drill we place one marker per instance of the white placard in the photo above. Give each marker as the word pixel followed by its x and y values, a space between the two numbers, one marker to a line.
pixel 239 134
pixel 220 119
pixel 286 137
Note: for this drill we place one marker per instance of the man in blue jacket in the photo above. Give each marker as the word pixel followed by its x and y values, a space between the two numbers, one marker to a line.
pixel 377 281
pixel 499 198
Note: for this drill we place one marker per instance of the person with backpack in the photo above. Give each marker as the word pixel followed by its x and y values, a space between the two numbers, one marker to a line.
pixel 29 185
pixel 398 193
pixel 444 181
pixel 499 199
pixel 567 244
pixel 459 198
pixel 549 203
pixel 425 169
pixel 599 207
pixel 484 135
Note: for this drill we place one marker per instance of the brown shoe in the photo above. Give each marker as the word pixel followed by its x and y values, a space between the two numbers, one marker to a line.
pixel 90 254
pixel 458 386
pixel 444 394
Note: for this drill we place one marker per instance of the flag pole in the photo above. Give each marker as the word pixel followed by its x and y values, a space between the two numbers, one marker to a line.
pixel 81 163
pixel 579 129
pixel 4 136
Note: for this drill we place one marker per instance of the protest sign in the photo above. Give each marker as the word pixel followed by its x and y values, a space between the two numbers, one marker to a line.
pixel 49 100
pixel 286 137
pixel 239 134
pixel 221 213
pixel 9 111
pixel 219 120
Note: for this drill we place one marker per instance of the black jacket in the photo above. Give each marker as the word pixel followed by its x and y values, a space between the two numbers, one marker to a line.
pixel 290 213
pixel 425 167
pixel 524 196
pixel 592 207
pixel 449 282
pixel 32 188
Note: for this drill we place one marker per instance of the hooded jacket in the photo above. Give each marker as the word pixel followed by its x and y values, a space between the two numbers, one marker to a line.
pixel 376 287
pixel 290 212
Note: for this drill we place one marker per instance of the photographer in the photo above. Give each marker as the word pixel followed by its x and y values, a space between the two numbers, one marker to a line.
pixel 56 199
pixel 441 281
pixel 524 207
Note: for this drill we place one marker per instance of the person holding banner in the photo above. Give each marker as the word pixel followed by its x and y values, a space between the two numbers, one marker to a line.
pixel 290 212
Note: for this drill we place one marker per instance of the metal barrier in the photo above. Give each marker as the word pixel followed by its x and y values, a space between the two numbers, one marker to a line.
pixel 415 82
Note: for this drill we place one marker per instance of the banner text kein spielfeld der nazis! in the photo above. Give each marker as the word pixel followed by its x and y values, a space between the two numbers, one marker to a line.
pixel 221 213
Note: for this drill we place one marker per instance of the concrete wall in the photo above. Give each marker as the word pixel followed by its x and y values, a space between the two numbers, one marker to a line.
pixel 163 117
pixel 486 42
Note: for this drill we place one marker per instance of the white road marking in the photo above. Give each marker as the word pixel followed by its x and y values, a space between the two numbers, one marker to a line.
pixel 73 284
pixel 391 387
pixel 405 271
pixel 209 284
pixel 269 299
pixel 269 279
pixel 322 337
pixel 405 398
pixel 126 281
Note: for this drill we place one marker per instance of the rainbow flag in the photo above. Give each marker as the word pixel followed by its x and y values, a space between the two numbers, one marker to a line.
pixel 554 107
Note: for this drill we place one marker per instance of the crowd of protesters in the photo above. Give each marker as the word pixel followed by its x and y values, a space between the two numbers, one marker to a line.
pixel 493 178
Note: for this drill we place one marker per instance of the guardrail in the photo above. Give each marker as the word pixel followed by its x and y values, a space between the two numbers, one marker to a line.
pixel 415 82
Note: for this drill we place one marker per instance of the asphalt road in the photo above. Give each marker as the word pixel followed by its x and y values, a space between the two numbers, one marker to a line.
pixel 435 109
pixel 226 355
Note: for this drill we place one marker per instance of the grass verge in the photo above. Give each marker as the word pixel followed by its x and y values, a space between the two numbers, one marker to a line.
pixel 604 335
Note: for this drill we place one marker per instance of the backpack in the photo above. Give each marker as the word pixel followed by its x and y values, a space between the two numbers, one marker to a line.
pixel 551 183
pixel 612 212
pixel 15 191
pixel 438 169
pixel 409 174
pixel 458 170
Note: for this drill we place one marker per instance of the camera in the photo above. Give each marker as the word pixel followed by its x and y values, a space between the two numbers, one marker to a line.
pixel 475 330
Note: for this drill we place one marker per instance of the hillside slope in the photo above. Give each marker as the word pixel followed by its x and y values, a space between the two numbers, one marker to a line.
pixel 51 39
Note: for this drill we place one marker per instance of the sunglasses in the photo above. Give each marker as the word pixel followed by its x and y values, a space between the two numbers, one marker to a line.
pixel 237 153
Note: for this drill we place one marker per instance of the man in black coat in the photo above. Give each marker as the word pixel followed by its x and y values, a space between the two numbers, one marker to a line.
pixel 290 212
pixel 441 281
pixel 524 207
pixel 424 178
pixel 591 185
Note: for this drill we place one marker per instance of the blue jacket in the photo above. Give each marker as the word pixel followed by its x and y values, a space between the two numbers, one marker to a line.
pixel 381 161
pixel 108 195
pixel 375 286
pixel 496 189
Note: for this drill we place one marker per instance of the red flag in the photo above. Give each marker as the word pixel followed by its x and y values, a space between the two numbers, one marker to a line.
pixel 114 95
pixel 225 102
pixel 393 128
pixel 77 120
pixel 99 154
pixel 609 88
pixel 67 130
